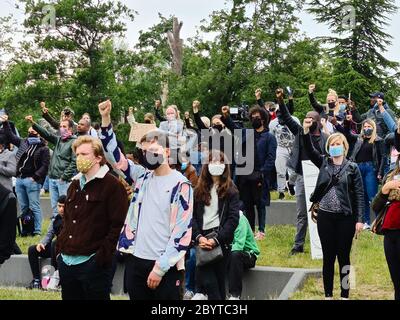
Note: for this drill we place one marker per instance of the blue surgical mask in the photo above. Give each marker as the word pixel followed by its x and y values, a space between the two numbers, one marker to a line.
pixel 33 140
pixel 343 107
pixel 336 151
pixel 184 166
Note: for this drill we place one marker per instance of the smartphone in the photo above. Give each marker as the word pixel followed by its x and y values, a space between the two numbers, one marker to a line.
pixel 331 113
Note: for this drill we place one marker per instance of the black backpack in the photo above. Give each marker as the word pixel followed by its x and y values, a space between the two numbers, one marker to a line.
pixel 26 224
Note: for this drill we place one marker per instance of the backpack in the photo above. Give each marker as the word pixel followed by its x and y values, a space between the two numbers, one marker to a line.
pixel 26 224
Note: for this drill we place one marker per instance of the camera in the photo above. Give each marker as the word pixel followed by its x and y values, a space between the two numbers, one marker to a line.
pixel 240 113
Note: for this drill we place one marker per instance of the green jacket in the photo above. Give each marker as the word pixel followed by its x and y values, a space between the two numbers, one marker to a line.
pixel 244 237
pixel 63 161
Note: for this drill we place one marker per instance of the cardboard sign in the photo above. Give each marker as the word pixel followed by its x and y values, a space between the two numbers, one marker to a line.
pixel 138 130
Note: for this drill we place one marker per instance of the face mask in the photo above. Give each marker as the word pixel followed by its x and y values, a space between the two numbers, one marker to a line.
pixel 218 127
pixel 216 169
pixel 343 107
pixel 336 151
pixel 147 121
pixel 314 127
pixel 84 165
pixel 65 134
pixel 368 132
pixel 150 160
pixel 332 105
pixel 33 140
pixel 171 117
pixel 256 123
pixel 184 166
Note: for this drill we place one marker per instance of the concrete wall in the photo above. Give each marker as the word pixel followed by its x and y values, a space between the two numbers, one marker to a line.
pixel 260 283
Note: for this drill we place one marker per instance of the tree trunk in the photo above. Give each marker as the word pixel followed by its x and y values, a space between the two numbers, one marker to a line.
pixel 176 46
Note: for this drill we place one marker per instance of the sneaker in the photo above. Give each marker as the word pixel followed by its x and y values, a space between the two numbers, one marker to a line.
pixel 234 298
pixel 281 196
pixel 328 298
pixel 366 226
pixel 35 284
pixel 295 251
pixel 291 189
pixel 200 296
pixel 260 235
pixel 188 295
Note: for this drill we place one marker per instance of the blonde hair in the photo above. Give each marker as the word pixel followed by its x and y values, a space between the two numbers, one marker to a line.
pixel 333 93
pixel 149 116
pixel 177 113
pixel 96 146
pixel 335 137
pixel 373 125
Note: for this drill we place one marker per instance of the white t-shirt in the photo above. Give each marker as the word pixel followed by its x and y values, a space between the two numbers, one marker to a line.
pixel 153 231
pixel 211 217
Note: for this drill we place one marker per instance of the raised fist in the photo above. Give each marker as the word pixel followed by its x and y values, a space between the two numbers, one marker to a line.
pixel 29 118
pixel 105 108
pixel 311 88
pixel 258 94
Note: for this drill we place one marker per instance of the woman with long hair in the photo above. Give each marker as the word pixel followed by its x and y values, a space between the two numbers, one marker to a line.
pixel 368 153
pixel 340 195
pixel 215 218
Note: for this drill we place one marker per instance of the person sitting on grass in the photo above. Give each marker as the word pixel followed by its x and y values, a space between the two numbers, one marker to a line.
pixel 46 247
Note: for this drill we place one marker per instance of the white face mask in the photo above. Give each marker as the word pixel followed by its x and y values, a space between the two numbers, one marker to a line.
pixel 171 117
pixel 216 169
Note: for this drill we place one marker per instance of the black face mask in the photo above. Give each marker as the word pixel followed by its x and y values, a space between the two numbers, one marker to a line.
pixel 332 105
pixel 147 121
pixel 218 127
pixel 150 160
pixel 314 127
pixel 256 123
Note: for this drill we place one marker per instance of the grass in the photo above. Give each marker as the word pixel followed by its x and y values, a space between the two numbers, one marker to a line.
pixel 11 293
pixel 372 274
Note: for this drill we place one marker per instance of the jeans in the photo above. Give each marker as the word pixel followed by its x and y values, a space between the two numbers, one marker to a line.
pixel 28 194
pixel 190 282
pixel 57 189
pixel 282 157
pixel 46 184
pixel 370 182
pixel 302 218
pixel 336 232
pixel 85 281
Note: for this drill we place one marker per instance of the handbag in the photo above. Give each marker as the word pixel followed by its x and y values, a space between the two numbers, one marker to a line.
pixel 377 225
pixel 204 256
pixel 334 181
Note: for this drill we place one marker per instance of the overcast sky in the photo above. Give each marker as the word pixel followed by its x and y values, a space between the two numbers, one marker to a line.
pixel 191 12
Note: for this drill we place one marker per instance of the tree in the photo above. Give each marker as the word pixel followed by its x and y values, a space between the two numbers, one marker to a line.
pixel 359 43
pixel 81 26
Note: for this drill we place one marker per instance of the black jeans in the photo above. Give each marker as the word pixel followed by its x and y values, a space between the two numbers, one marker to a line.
pixel 251 196
pixel 85 281
pixel 239 261
pixel 210 279
pixel 136 273
pixel 392 252
pixel 336 232
pixel 34 255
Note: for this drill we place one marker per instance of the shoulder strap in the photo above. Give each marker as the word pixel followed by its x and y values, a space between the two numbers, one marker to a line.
pixel 338 177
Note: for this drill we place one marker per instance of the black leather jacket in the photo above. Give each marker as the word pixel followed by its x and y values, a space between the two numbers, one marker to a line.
pixel 349 189
pixel 377 153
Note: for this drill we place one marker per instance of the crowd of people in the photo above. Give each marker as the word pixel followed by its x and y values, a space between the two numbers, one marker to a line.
pixel 185 211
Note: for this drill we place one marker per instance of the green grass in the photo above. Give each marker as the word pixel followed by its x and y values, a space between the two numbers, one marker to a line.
pixel 275 196
pixel 372 275
pixel 25 242
pixel 11 293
